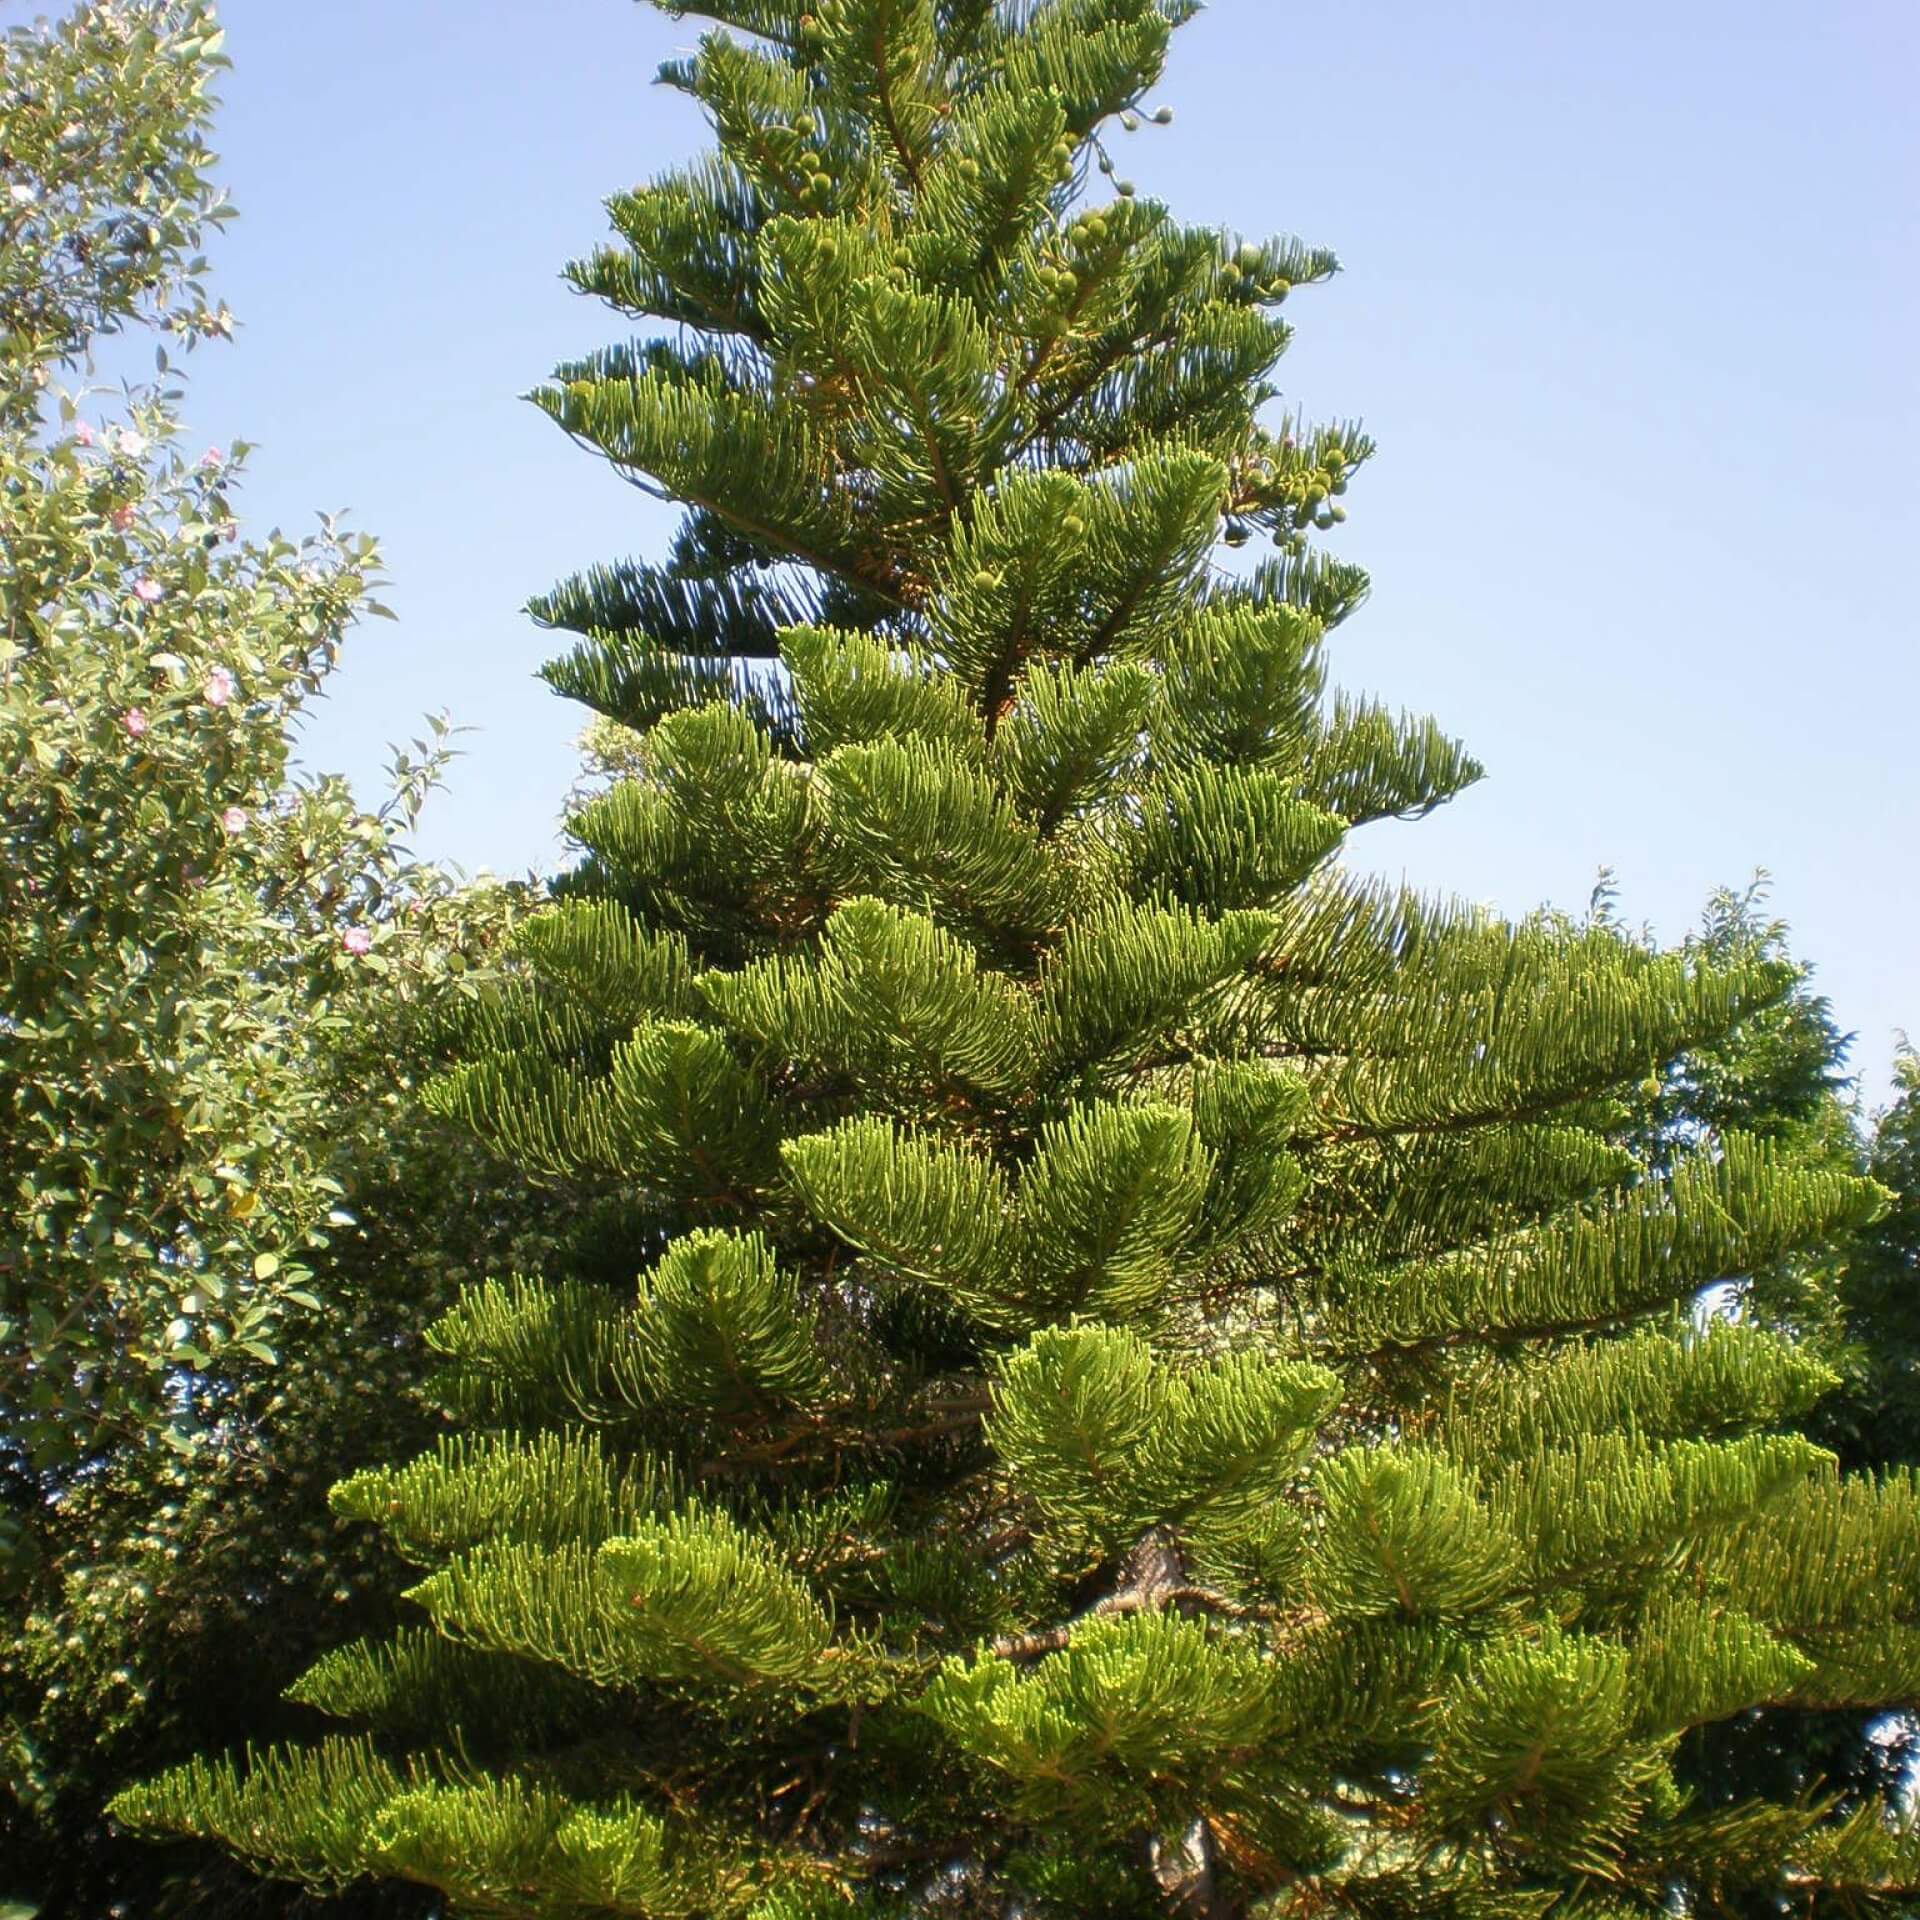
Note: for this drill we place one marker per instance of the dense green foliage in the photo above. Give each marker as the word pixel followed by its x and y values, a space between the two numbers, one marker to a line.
pixel 161 1568
pixel 1154 1385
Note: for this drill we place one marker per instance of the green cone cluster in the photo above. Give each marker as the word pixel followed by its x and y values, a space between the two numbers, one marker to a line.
pixel 1152 1386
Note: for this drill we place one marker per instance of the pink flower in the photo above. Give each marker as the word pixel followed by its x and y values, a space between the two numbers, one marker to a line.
pixel 120 519
pixel 213 457
pixel 218 689
pixel 82 434
pixel 234 820
pixel 134 722
pixel 147 591
pixel 131 444
pixel 357 940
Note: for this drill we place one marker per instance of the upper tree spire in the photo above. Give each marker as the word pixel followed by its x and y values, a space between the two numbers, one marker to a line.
pixel 888 310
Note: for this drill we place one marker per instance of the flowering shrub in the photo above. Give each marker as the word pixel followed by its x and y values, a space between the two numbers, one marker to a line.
pixel 172 913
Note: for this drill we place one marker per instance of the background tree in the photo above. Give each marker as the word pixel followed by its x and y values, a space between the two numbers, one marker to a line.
pixel 1783 1075
pixel 218 987
pixel 1153 1387
pixel 1874 1420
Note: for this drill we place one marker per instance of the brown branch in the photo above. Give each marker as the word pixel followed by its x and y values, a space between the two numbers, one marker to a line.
pixel 1155 1580
pixel 956 1415
pixel 933 1430
pixel 1185 1871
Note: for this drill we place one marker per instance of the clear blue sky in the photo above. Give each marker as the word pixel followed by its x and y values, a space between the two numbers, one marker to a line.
pixel 1630 305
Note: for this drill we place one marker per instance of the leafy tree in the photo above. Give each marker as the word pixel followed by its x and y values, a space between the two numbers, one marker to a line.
pixel 218 986
pixel 178 923
pixel 108 184
pixel 1782 1074
pixel 1153 1387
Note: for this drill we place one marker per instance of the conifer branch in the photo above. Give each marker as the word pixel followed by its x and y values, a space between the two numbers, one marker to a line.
pixel 883 87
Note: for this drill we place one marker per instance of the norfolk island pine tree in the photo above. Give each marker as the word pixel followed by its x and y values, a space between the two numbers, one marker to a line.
pixel 1152 1387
